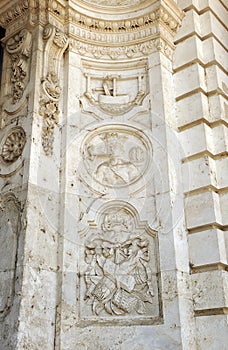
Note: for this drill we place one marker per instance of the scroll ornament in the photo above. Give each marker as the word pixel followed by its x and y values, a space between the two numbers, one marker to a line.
pixel 19 48
pixel 49 110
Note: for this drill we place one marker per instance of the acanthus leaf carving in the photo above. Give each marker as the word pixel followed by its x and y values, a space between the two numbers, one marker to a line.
pixel 14 13
pixel 130 51
pixel 19 49
pixel 49 110
pixel 128 25
pixel 56 43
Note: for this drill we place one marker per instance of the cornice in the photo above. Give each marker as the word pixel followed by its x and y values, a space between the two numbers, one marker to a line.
pixel 111 7
pixel 130 32
pixel 12 11
pixel 160 13
pixel 133 37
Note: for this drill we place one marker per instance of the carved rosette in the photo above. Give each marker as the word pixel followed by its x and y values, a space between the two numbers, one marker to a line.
pixel 56 43
pixel 119 277
pixel 19 49
pixel 13 145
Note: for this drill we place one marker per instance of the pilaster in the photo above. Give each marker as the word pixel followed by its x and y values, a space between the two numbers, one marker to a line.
pixel 30 108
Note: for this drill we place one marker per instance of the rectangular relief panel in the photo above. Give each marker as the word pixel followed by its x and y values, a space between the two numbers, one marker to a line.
pixel 118 269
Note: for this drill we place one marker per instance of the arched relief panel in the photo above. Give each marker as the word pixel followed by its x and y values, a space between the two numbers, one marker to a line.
pixel 9 231
pixel 118 269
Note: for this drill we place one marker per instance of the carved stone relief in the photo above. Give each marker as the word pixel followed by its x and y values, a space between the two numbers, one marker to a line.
pixel 134 34
pixel 12 14
pixel 19 48
pixel 119 277
pixel 111 92
pixel 123 51
pixel 115 2
pixel 56 43
pixel 9 230
pixel 49 110
pixel 13 145
pixel 115 156
pixel 109 100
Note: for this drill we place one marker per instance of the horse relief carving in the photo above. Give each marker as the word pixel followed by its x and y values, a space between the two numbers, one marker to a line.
pixel 115 157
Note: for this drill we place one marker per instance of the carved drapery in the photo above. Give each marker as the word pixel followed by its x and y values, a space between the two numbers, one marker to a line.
pixel 56 43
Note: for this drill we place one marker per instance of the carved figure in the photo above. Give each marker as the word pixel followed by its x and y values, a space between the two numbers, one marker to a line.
pixel 118 276
pixel 114 160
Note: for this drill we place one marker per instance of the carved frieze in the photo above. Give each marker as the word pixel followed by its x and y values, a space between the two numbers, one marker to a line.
pixel 19 49
pixel 13 145
pixel 115 3
pixel 134 35
pixel 14 13
pixel 9 230
pixel 128 25
pixel 119 277
pixel 123 51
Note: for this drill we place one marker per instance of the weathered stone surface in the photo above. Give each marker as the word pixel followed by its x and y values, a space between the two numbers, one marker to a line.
pixel 113 173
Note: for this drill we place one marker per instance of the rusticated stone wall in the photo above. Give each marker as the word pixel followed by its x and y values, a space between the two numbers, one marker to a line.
pixel 113 175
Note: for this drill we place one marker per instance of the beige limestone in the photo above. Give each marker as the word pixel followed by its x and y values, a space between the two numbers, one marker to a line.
pixel 113 175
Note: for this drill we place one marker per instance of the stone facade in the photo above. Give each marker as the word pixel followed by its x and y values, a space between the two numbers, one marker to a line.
pixel 113 175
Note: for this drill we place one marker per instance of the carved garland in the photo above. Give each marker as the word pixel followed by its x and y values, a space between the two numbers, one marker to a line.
pixel 130 51
pixel 19 48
